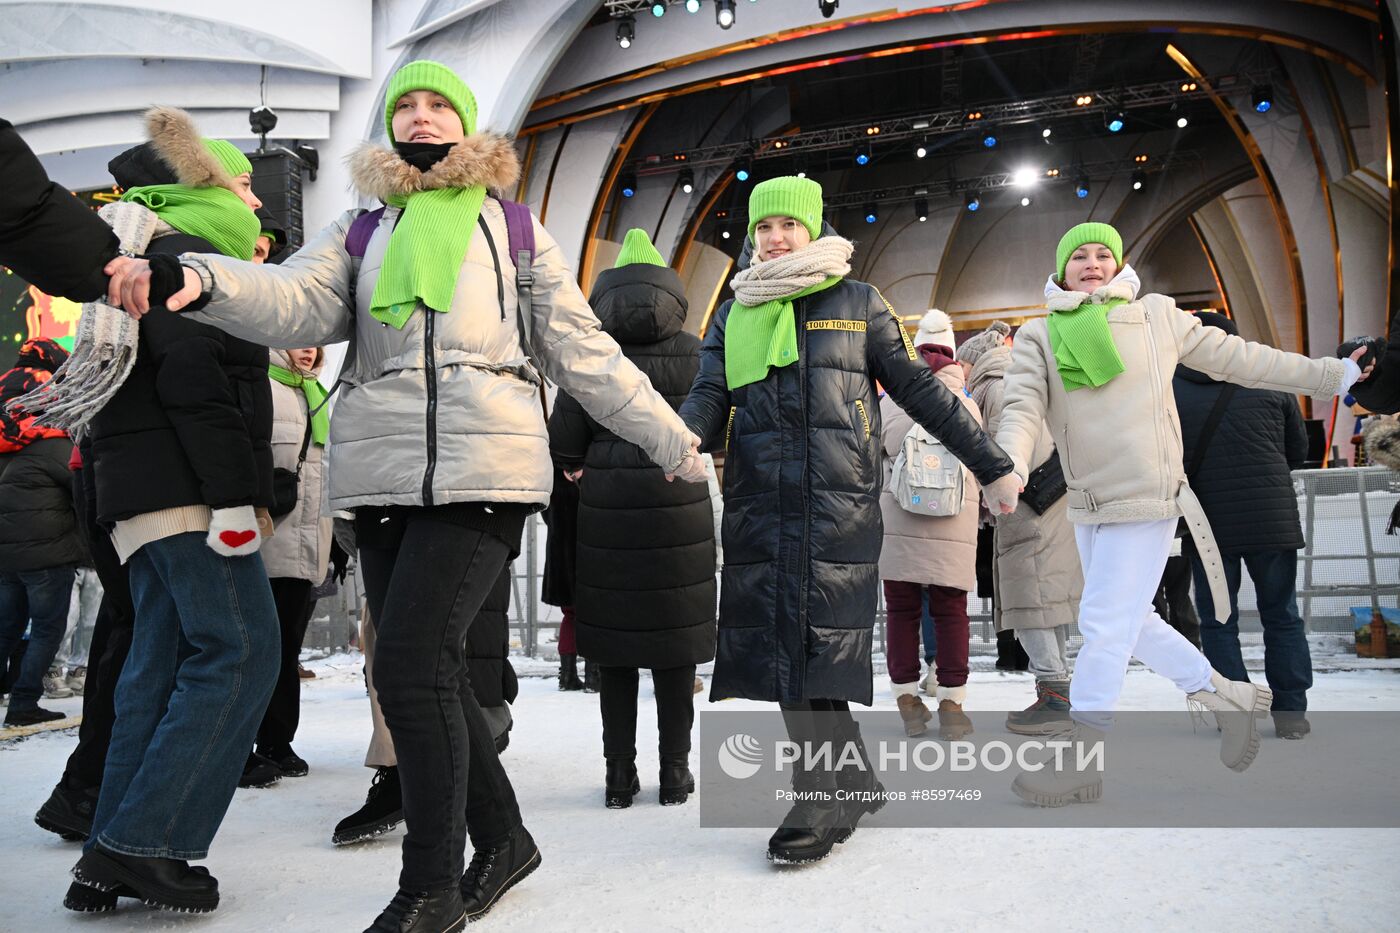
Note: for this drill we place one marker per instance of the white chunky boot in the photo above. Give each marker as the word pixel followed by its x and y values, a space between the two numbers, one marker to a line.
pixel 1236 705
pixel 1078 779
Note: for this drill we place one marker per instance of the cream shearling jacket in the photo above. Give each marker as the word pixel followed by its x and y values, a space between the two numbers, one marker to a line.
pixel 1120 443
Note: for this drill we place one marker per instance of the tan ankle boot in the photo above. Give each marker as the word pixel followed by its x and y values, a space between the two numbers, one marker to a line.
pixel 1236 705
pixel 953 723
pixel 1054 787
pixel 915 714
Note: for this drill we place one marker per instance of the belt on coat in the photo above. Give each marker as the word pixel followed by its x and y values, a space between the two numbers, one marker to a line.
pixel 1206 549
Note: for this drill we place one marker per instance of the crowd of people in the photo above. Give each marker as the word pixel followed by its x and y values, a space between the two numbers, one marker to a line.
pixel 201 476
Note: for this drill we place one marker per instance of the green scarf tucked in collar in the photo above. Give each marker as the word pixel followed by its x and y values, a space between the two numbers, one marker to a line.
pixel 764 335
pixel 425 252
pixel 1084 350
pixel 315 400
pixel 214 214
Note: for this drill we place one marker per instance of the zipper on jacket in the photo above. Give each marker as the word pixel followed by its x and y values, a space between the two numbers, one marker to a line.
pixel 430 379
pixel 1158 404
pixel 804 557
pixel 729 427
pixel 495 261
pixel 864 418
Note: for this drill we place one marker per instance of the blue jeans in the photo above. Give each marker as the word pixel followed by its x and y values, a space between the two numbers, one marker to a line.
pixel 202 666
pixel 1287 661
pixel 39 598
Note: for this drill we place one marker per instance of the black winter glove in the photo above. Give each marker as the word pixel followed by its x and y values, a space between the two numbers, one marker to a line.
pixel 1375 349
pixel 167 278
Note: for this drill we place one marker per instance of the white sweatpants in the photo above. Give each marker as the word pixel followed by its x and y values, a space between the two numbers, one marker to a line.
pixel 1123 566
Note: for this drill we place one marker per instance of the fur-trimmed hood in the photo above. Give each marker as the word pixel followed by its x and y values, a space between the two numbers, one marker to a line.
pixel 177 141
pixel 480 159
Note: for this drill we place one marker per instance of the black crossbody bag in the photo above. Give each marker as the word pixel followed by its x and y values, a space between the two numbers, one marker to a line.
pixel 1045 486
pixel 286 484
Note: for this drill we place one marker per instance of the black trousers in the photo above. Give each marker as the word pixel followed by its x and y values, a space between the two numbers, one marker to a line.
pixel 111 640
pixel 1173 599
pixel 675 710
pixel 425 580
pixel 294 605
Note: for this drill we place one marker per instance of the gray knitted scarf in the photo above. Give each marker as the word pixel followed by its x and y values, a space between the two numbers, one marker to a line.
pixel 104 348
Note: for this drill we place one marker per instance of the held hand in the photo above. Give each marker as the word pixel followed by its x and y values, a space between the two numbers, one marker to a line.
pixel 692 468
pixel 573 476
pixel 1356 356
pixel 1002 494
pixel 130 286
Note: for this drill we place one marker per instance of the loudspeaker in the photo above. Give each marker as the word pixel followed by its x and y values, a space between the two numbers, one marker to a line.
pixel 277 182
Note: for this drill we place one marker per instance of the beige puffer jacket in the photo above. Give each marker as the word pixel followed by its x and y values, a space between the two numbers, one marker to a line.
pixel 1120 443
pixel 300 546
pixel 1036 575
pixel 939 550
pixel 446 409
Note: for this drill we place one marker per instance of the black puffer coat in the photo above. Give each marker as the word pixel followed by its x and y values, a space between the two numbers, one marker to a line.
pixel 192 424
pixel 802 529
pixel 48 237
pixel 1244 483
pixel 487 651
pixel 645 588
pixel 38 528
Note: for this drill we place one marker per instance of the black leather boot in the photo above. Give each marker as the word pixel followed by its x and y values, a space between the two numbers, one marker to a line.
pixel 438 911
pixel 591 677
pixel 383 810
pixel 621 783
pixel 808 832
pixel 494 870
pixel 568 672
pixel 677 783
pixel 860 789
pixel 167 883
pixel 68 812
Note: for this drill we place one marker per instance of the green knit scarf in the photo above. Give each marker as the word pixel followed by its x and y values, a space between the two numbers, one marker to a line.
pixel 315 400
pixel 1084 350
pixel 761 336
pixel 214 214
pixel 425 252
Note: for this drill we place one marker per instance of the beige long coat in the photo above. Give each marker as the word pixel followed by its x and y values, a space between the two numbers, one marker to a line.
pixel 927 549
pixel 1036 574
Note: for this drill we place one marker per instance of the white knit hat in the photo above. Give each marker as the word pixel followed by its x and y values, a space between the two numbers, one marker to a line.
pixel 935 328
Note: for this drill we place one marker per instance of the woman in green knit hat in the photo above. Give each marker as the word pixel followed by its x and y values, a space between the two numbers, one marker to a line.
pixel 438 444
pixel 1098 369
pixel 787 389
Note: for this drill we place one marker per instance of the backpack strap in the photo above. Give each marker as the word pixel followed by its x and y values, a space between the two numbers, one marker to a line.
pixel 361 229
pixel 520 231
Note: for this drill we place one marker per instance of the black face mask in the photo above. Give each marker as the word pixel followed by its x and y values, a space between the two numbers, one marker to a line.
pixel 423 156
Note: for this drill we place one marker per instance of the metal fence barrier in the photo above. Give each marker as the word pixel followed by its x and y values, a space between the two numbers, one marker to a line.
pixel 1348 560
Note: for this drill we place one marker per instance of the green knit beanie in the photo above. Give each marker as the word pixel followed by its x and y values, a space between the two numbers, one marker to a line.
pixel 1087 233
pixel 432 76
pixel 228 156
pixel 788 196
pixel 636 247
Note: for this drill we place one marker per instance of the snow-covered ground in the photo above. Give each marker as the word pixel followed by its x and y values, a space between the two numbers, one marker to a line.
pixel 652 868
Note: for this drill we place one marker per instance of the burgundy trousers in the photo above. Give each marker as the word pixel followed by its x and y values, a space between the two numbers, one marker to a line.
pixel 904 614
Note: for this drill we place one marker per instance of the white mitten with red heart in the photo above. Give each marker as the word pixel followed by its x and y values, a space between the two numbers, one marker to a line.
pixel 234 532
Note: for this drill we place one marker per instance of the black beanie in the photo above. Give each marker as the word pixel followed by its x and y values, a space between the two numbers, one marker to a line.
pixel 1216 319
pixel 140 165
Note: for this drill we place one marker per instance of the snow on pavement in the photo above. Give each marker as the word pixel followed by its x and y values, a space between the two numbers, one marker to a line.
pixel 653 868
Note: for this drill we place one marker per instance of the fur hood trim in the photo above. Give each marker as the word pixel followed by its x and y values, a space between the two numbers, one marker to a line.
pixel 480 159
pixel 1125 285
pixel 178 142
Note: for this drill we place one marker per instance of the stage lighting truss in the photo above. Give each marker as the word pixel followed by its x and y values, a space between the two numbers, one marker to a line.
pixel 920 130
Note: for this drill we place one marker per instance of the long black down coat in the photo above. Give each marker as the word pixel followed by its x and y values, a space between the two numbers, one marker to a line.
pixel 1244 483
pixel 802 476
pixel 192 423
pixel 645 587
pixel 38 528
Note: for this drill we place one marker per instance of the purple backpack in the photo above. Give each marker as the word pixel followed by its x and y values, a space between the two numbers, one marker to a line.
pixel 520 230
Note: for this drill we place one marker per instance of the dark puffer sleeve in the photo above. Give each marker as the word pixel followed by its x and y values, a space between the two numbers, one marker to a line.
pixel 706 408
pixel 894 361
pixel 570 432
pixel 1381 392
pixel 48 237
